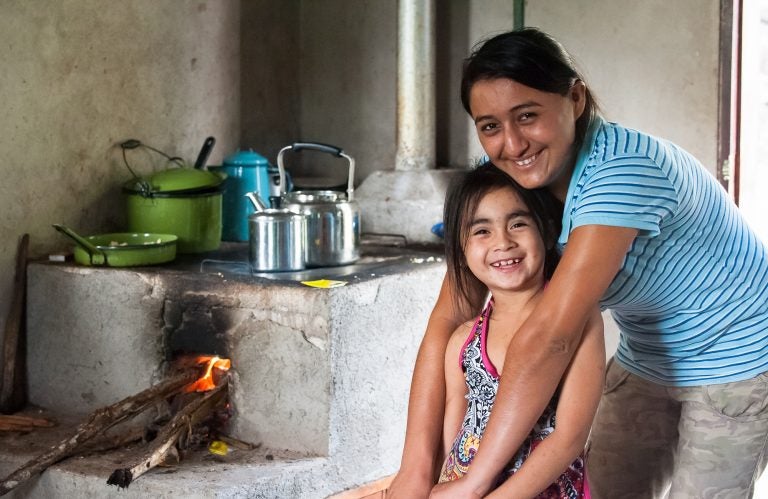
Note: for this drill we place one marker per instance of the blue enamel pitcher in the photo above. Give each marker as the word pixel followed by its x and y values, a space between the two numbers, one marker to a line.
pixel 247 171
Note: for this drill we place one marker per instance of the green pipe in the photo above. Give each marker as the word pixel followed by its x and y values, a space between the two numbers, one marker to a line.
pixel 519 13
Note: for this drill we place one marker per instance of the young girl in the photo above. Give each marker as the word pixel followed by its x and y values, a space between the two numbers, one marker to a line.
pixel 503 237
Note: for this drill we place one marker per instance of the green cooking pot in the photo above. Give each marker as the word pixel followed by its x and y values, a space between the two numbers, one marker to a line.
pixel 186 202
pixel 122 249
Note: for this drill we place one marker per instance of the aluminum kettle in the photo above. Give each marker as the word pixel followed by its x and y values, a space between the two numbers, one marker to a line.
pixel 333 217
pixel 277 238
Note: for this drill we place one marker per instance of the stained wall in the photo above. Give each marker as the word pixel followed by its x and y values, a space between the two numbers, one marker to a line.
pixel 79 77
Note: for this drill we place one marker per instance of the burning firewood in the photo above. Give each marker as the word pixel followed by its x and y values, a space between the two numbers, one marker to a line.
pixel 164 444
pixel 99 421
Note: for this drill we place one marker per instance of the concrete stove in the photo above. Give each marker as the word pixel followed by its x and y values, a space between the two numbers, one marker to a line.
pixel 321 376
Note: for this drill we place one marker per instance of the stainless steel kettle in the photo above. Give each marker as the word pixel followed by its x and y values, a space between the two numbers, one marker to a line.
pixel 277 238
pixel 333 217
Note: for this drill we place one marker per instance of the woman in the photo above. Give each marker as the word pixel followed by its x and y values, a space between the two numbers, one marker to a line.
pixel 647 233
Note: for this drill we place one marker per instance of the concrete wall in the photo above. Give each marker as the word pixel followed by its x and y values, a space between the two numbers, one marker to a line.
pixel 79 77
pixel 270 83
pixel 653 64
pixel 348 83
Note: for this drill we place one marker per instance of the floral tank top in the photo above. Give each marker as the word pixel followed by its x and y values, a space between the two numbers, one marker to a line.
pixel 482 383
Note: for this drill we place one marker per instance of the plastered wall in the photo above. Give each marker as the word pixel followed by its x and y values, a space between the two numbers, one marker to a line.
pixel 653 64
pixel 78 77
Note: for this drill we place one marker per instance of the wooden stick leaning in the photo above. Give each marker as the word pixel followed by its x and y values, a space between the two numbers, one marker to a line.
pixel 97 422
pixel 13 394
pixel 187 417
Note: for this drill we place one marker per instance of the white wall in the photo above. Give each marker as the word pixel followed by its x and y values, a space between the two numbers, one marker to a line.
pixel 653 65
pixel 754 119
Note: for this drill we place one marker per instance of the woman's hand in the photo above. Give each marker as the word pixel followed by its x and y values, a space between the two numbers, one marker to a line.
pixel 457 489
pixel 409 486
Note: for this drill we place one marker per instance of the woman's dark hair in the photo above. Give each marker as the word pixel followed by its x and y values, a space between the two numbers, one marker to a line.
pixel 461 201
pixel 530 57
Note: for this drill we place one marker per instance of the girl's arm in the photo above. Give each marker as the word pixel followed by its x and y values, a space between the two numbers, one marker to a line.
pixel 579 398
pixel 426 406
pixel 455 388
pixel 542 348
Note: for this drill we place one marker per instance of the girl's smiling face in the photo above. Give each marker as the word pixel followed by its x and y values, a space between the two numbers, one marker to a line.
pixel 503 247
pixel 528 133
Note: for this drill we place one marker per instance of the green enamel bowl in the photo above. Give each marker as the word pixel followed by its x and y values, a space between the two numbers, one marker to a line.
pixel 122 249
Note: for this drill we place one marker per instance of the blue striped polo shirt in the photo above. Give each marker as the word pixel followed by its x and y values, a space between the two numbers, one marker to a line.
pixel 691 298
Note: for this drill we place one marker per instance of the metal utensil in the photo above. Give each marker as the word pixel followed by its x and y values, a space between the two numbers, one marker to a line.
pixel 276 238
pixel 333 217
pixel 205 151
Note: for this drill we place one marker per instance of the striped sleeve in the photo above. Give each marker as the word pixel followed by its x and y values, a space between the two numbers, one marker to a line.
pixel 630 192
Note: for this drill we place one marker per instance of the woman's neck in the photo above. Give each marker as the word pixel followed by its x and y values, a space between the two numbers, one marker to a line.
pixel 559 187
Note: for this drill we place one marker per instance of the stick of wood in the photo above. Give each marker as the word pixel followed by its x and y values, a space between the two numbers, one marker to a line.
pixel 15 427
pixel 19 419
pixel 13 393
pixel 190 415
pixel 105 443
pixel 97 422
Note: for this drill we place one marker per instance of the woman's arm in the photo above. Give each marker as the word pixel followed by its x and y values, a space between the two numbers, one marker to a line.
pixel 542 348
pixel 579 398
pixel 426 406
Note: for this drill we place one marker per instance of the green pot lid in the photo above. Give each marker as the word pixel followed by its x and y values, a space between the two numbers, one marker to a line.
pixel 176 179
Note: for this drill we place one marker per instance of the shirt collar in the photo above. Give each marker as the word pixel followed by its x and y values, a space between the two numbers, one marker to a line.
pixel 582 159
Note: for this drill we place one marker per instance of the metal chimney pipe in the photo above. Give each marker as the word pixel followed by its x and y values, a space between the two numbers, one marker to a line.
pixel 415 85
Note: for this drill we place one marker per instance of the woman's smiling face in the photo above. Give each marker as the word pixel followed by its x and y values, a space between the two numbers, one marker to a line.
pixel 528 133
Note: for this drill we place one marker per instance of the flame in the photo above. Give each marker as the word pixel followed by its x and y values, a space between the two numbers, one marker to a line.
pixel 206 381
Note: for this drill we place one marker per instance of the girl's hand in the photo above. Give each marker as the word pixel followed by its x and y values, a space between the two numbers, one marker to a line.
pixel 457 489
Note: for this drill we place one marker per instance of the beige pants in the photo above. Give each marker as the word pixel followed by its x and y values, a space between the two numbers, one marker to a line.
pixel 653 441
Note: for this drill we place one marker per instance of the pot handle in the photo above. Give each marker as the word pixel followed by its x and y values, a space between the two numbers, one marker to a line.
pixel 93 251
pixel 317 146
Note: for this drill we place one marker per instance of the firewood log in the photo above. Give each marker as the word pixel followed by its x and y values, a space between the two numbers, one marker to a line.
pixel 99 421
pixel 18 422
pixel 200 408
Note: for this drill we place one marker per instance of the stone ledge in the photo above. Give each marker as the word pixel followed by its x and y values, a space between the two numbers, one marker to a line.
pixel 260 473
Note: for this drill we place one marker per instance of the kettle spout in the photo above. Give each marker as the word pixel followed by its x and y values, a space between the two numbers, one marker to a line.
pixel 256 200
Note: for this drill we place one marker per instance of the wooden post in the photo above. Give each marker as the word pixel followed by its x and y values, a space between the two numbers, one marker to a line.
pixel 13 384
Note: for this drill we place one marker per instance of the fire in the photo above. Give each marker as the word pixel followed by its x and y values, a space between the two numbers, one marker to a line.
pixel 206 381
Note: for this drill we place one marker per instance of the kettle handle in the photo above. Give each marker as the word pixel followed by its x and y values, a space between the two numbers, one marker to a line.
pixel 317 146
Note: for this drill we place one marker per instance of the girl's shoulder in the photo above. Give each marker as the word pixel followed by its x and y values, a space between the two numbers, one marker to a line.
pixel 462 332
pixel 459 338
